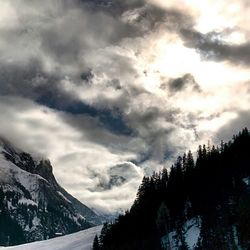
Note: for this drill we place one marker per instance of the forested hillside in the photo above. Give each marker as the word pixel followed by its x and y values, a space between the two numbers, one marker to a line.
pixel 197 204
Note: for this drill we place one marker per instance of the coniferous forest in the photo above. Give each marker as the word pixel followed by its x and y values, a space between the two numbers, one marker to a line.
pixel 212 191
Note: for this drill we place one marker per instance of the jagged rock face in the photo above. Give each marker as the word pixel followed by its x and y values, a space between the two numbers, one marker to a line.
pixel 33 206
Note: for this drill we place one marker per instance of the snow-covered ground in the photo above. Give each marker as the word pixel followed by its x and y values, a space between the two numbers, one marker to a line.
pixel 78 241
pixel 191 234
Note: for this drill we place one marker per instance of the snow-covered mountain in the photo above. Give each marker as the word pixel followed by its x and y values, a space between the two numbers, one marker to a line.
pixel 33 206
pixel 82 240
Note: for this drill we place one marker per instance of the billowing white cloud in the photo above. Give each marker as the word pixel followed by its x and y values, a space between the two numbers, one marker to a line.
pixel 81 158
pixel 173 73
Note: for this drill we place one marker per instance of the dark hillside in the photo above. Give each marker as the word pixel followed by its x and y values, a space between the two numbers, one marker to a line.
pixel 202 204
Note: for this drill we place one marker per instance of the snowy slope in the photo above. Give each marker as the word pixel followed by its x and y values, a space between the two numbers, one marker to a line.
pixel 191 234
pixel 78 241
pixel 33 206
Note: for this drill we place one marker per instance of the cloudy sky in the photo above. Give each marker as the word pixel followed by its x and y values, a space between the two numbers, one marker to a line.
pixel 112 90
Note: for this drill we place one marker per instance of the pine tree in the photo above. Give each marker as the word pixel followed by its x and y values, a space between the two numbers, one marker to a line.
pixel 163 219
pixel 96 245
pixel 104 233
pixel 200 191
pixel 1 198
pixel 164 180
pixel 190 160
pixel 184 161
pixel 142 194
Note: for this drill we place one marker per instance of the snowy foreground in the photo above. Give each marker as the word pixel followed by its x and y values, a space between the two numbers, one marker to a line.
pixel 78 241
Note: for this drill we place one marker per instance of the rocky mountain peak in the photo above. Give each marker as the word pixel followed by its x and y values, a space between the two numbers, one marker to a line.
pixel 31 200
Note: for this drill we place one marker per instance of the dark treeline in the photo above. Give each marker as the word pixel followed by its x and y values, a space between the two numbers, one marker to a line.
pixel 211 188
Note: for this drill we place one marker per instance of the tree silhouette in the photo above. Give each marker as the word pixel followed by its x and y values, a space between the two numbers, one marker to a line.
pixel 212 189
pixel 96 245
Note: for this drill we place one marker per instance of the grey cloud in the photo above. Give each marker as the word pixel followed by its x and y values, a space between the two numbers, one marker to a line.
pixel 58 37
pixel 116 7
pixel 181 83
pixel 212 48
pixel 128 170
pixel 92 130
pixel 96 51
pixel 76 32
pixel 63 36
pixel 59 34
pixel 116 176
pixel 75 154
pixel 155 125
pixel 28 80
pixel 113 181
pixel 146 12
pixel 87 75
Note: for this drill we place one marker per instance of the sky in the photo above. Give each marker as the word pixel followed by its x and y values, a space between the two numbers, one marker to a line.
pixel 112 90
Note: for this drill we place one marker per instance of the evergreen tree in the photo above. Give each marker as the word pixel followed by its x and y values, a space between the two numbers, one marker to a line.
pixel 1 198
pixel 163 219
pixel 164 181
pixel 104 233
pixel 96 245
pixel 213 190
pixel 190 160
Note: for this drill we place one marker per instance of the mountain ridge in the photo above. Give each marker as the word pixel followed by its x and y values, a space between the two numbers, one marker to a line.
pixel 33 206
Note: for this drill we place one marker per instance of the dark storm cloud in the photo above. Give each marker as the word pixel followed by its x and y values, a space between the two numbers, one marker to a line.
pixel 155 126
pixel 62 37
pixel 26 80
pixel 181 83
pixel 76 32
pixel 116 7
pixel 209 45
pixel 96 130
pixel 117 175
pixel 79 29
pixel 212 48
pixel 87 76
pixel 84 61
pixel 32 82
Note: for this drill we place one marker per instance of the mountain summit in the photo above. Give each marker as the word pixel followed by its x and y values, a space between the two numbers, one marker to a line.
pixel 33 206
